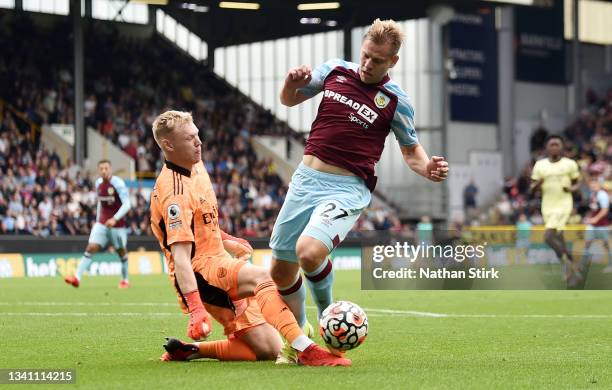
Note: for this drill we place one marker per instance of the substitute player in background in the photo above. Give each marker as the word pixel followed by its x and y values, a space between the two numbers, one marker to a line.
pixel 598 224
pixel 557 177
pixel 110 227
pixel 333 184
pixel 184 219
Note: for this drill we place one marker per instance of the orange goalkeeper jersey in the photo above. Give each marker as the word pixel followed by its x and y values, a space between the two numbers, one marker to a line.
pixel 184 209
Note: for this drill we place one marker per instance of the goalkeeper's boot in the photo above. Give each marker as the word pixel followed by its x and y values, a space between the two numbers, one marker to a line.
pixel 176 350
pixel 287 354
pixel 72 280
pixel 317 356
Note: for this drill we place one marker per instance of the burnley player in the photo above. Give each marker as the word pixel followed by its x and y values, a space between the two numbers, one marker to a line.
pixel 333 184
pixel 598 223
pixel 110 227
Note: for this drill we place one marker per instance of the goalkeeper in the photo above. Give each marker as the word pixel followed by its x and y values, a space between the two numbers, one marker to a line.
pixel 185 221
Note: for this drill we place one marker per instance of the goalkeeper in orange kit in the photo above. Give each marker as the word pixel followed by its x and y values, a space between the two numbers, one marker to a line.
pixel 208 281
pixel 251 338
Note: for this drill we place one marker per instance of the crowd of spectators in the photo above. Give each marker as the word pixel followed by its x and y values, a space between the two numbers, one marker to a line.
pixel 43 196
pixel 128 83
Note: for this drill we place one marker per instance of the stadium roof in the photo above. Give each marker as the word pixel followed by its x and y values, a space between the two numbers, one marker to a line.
pixel 281 18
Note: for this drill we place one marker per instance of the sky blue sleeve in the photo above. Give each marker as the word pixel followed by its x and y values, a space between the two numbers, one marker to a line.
pixel 98 203
pixel 124 195
pixel 320 73
pixel 402 124
pixel 603 199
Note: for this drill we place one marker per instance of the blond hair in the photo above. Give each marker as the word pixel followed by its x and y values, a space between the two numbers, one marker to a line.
pixel 385 31
pixel 165 123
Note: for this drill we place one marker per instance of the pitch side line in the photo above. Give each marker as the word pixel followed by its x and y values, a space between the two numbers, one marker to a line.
pixel 89 304
pixel 73 314
pixel 371 311
pixel 525 316
pixel 411 313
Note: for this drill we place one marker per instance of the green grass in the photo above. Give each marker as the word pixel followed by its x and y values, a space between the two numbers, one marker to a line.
pixel 539 339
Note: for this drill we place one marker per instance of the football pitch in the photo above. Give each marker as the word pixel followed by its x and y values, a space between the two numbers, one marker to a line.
pixel 417 339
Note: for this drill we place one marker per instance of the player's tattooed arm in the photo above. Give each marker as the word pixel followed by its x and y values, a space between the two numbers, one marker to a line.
pixel 434 168
pixel 296 78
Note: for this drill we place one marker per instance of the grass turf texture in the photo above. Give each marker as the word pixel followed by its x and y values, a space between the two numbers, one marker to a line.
pixel 540 339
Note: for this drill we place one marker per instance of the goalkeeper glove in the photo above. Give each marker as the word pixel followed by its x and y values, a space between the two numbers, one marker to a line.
pixel 199 326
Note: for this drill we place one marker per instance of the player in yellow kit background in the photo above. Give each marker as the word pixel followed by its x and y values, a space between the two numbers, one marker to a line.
pixel 557 178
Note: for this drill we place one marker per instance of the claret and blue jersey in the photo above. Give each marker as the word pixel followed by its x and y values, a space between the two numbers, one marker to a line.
pixel 113 200
pixel 354 118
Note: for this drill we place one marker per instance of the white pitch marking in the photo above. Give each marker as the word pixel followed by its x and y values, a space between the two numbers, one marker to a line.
pixel 371 311
pixel 74 314
pixel 88 304
pixel 412 313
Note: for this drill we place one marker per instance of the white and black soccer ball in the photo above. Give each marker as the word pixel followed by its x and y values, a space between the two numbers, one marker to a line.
pixel 343 325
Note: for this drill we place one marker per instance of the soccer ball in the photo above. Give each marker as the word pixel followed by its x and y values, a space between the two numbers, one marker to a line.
pixel 343 325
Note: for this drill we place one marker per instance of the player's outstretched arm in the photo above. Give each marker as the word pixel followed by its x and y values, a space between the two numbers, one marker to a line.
pixel 296 78
pixel 434 168
pixel 199 326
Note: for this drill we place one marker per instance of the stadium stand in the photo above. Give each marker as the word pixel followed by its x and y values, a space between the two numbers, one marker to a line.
pixel 128 83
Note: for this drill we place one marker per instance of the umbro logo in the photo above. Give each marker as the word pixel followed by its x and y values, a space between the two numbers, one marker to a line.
pixel 340 79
